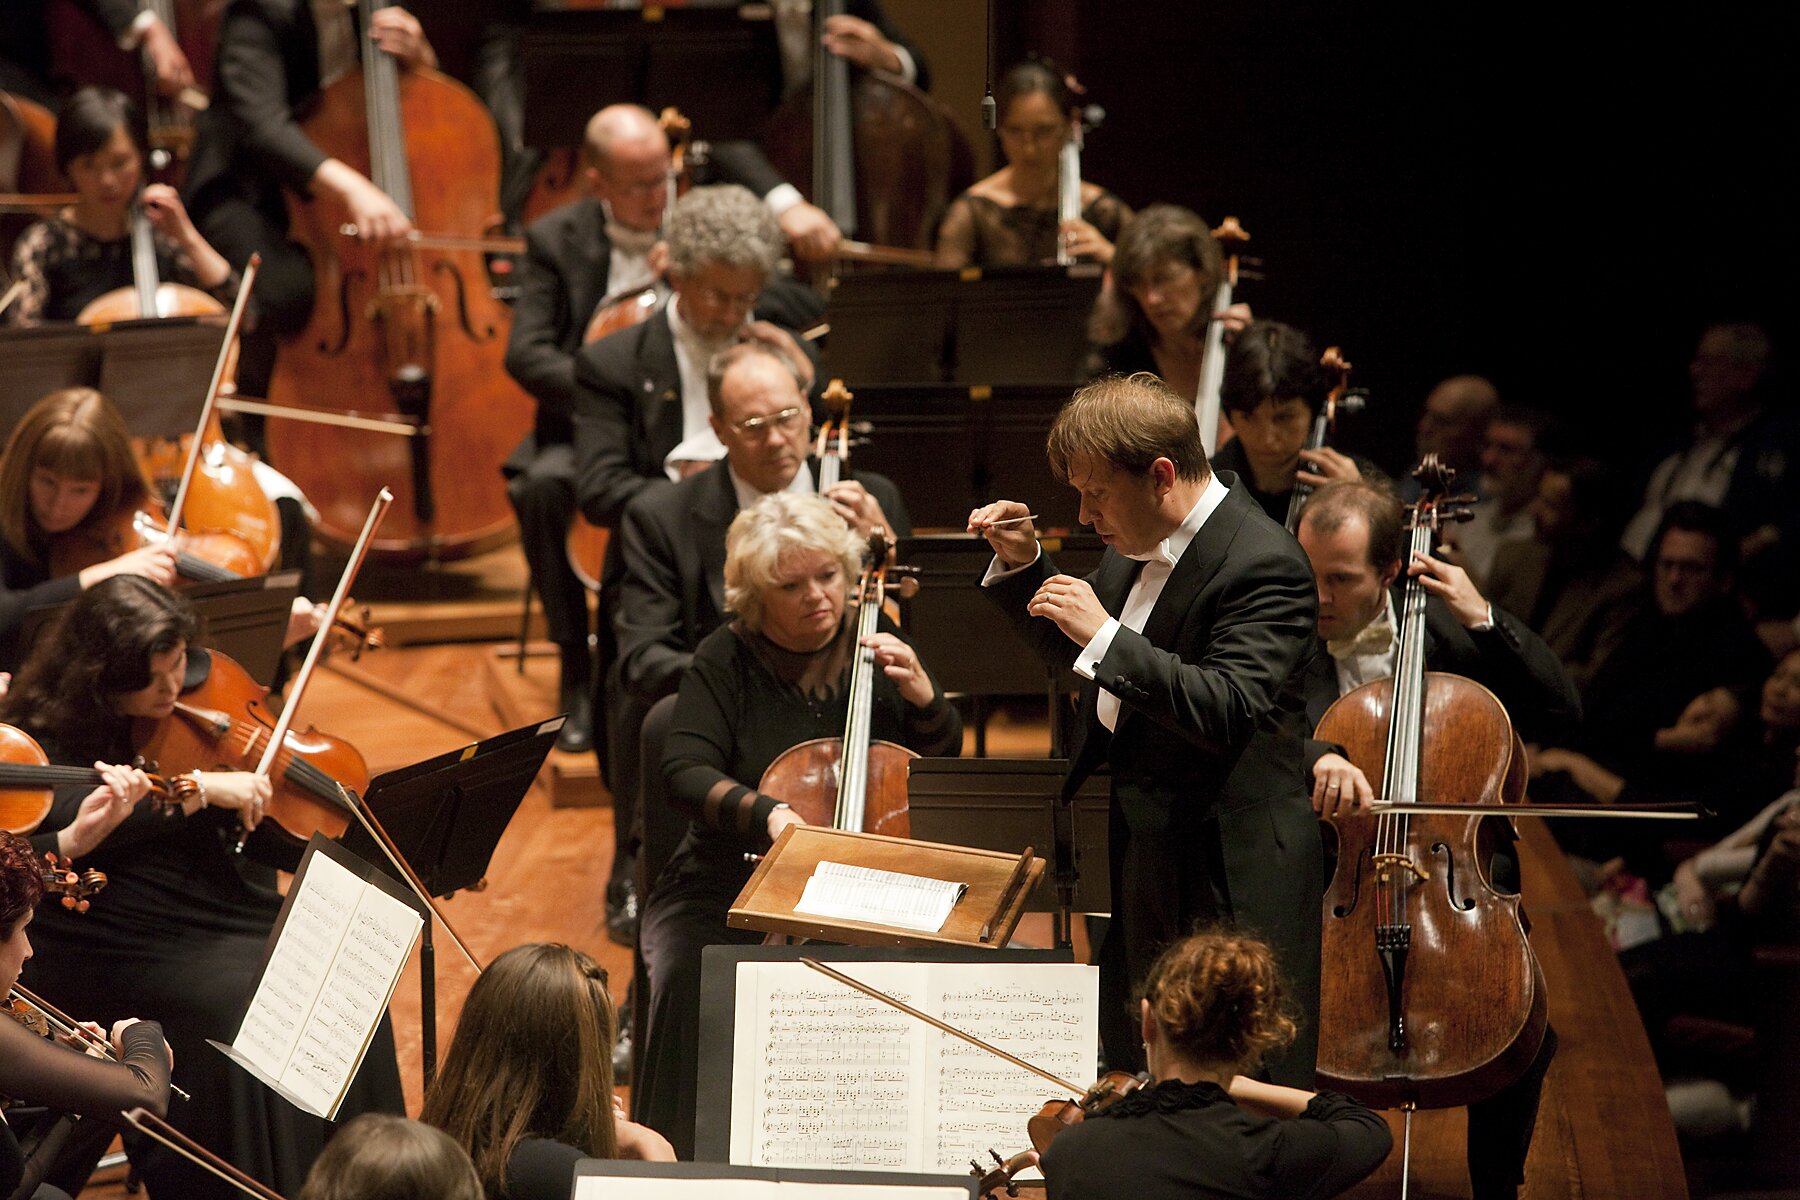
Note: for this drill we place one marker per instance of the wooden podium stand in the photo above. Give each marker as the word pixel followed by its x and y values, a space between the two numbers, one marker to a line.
pixel 999 886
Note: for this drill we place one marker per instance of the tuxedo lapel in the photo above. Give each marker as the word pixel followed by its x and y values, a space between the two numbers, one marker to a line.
pixel 715 506
pixel 659 386
pixel 590 254
pixel 1196 568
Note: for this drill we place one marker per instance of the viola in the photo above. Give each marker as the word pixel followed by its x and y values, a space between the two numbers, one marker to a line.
pixel 1051 1120
pixel 72 888
pixel 851 782
pixel 1339 400
pixel 1430 994
pixel 27 779
pixel 210 557
pixel 1207 401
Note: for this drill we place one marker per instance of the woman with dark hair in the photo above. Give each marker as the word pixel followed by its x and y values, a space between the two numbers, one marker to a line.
pixel 382 1157
pixel 179 933
pixel 84 251
pixel 1010 218
pixel 1211 1009
pixel 1273 388
pixel 527 1085
pixel 36 1071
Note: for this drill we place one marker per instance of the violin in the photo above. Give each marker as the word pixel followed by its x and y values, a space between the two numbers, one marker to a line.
pixel 851 782
pixel 1413 931
pixel 1231 238
pixel 72 888
pixel 1339 400
pixel 27 779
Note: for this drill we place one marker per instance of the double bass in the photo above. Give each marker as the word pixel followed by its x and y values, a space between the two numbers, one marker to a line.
pixel 851 782
pixel 409 329
pixel 1430 995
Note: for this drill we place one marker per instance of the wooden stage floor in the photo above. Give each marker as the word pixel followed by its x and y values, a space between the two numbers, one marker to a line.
pixel 1603 1130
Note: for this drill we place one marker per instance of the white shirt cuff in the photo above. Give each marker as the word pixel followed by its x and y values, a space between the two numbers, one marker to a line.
pixel 996 572
pixel 782 197
pixel 1096 650
pixel 909 70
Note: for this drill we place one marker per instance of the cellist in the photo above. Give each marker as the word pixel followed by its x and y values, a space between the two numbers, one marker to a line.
pixel 1352 534
pixel 274 56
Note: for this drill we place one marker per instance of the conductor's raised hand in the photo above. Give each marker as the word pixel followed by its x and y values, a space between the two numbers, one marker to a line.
pixel 1071 603
pixel 1008 529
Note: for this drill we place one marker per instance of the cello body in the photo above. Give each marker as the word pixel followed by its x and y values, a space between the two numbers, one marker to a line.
pixel 407 331
pixel 806 776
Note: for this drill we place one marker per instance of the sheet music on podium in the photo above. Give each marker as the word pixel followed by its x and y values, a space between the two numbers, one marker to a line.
pixel 824 1076
pixel 333 960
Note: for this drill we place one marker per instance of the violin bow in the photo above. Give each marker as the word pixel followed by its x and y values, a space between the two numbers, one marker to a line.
pixel 12 293
pixel 159 1130
pixel 232 325
pixel 63 1025
pixel 945 1026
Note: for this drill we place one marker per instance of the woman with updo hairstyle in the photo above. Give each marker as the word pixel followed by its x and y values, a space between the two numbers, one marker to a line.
pixel 775 676
pixel 38 1071
pixel 84 251
pixel 1211 1009
pixel 527 1085
pixel 379 1156
pixel 1010 218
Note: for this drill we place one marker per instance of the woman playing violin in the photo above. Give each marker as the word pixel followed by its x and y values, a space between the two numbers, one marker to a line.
pixel 36 1071
pixel 772 678
pixel 527 1085
pixel 85 251
pixel 181 929
pixel 1009 218
pixel 1211 1009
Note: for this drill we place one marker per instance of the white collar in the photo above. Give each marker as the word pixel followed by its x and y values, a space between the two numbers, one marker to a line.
pixel 1170 549
pixel 747 496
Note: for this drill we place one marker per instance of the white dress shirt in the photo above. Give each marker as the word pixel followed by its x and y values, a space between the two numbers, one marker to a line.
pixel 802 482
pixel 692 355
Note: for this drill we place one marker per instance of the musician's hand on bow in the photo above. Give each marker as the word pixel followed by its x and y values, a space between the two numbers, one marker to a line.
pixel 783 343
pixel 245 791
pixel 900 663
pixel 1082 240
pixel 168 62
pixel 1325 465
pixel 1339 786
pixel 304 619
pixel 1015 541
pixel 861 42
pixel 1452 585
pixel 810 231
pixel 1071 603
pixel 398 32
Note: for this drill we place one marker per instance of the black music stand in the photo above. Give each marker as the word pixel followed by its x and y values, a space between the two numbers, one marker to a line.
pixel 1007 804
pixel 719 65
pixel 244 619
pixel 445 816
pixel 155 372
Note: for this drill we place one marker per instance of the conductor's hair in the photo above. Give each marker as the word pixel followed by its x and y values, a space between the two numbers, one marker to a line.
pixel 379 1156
pixel 1217 998
pixel 1128 422
pixel 1336 504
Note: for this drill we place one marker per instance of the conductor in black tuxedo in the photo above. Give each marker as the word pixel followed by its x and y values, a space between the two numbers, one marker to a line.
pixel 1194 630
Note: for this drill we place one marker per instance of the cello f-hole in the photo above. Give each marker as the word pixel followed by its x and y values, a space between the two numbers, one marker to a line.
pixel 1344 910
pixel 1459 904
pixel 343 306
pixel 462 302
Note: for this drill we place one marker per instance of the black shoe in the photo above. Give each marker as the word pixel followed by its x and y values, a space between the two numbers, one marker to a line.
pixel 622 1057
pixel 577 699
pixel 622 912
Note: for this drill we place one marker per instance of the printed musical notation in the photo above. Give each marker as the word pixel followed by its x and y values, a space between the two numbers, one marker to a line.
pixel 827 1077
pixel 338 953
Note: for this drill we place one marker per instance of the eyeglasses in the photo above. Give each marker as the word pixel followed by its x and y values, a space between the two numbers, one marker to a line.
pixel 786 421
pixel 718 299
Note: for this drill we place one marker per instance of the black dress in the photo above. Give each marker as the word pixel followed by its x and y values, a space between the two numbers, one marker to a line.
pixel 64 268
pixel 39 1072
pixel 989 234
pixel 178 936
pixel 25 585
pixel 743 701
pixel 1190 1141
pixel 541 1169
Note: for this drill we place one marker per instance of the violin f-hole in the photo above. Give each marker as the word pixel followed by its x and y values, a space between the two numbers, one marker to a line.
pixel 1463 904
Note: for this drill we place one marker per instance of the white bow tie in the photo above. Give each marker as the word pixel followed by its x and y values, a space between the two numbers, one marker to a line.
pixel 1160 554
pixel 1373 638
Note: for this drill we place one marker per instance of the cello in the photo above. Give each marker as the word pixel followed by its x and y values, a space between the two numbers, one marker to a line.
pixel 1231 238
pixel 851 782
pixel 1339 400
pixel 410 328
pixel 1430 995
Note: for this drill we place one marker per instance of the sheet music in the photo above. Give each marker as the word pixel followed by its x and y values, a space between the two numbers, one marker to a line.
pixel 880 897
pixel 329 978
pixel 827 1077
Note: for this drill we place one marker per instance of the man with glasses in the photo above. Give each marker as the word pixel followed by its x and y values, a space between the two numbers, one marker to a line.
pixel 641 416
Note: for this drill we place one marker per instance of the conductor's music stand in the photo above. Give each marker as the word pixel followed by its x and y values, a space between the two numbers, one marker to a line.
pixel 998 885
pixel 445 816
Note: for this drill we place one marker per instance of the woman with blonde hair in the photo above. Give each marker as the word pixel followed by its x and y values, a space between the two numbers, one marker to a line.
pixel 527 1085
pixel 1211 1009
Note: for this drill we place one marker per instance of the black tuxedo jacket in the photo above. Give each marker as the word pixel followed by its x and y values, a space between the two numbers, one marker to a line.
pixel 1509 660
pixel 1210 816
pixel 561 280
pixel 672 591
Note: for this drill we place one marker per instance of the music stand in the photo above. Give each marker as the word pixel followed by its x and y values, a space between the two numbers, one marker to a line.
pixel 155 372
pixel 445 816
pixel 246 620
pixel 1024 325
pixel 1008 804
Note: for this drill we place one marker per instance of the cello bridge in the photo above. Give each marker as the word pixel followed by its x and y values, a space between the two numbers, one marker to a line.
pixel 1385 861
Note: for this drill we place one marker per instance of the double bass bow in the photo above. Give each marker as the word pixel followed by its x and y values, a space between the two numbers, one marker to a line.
pixel 1207 401
pixel 851 782
pixel 1339 400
